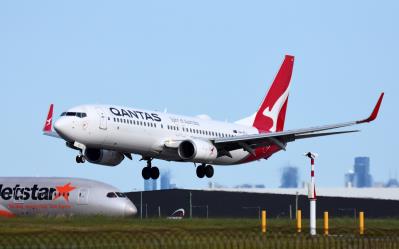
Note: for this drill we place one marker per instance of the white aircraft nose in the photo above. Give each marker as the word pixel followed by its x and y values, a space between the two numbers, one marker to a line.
pixel 61 126
pixel 130 209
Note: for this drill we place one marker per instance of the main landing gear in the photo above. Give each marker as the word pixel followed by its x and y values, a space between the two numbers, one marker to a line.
pixel 149 171
pixel 80 159
pixel 204 170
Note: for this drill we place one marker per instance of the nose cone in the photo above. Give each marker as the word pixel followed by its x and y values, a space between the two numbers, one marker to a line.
pixel 62 127
pixel 130 209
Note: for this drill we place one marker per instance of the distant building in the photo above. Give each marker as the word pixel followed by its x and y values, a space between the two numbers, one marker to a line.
pixel 289 178
pixel 248 186
pixel 392 183
pixel 165 180
pixel 245 185
pixel 150 185
pixel 360 177
pixel 349 179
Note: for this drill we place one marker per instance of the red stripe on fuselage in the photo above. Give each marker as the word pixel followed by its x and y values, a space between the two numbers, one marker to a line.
pixel 7 214
pixel 261 152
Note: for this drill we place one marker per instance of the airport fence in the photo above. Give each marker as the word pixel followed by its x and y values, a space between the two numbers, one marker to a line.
pixel 175 239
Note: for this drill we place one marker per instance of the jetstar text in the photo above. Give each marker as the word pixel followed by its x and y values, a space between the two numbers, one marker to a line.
pixel 25 193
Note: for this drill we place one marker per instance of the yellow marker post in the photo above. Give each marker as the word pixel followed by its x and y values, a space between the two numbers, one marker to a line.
pixel 325 223
pixel 298 221
pixel 361 223
pixel 263 221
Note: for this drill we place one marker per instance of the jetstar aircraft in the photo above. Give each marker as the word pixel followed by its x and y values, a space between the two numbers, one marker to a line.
pixel 53 196
pixel 106 134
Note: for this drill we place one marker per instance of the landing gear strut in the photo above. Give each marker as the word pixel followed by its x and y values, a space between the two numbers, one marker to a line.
pixel 80 159
pixel 205 170
pixel 149 171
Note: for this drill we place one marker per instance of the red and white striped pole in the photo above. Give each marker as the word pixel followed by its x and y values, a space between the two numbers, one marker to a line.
pixel 312 194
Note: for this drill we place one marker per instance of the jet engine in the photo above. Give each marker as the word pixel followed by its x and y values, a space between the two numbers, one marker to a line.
pixel 197 150
pixel 104 157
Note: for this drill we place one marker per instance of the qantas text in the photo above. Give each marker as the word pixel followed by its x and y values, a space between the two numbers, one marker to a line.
pixel 135 114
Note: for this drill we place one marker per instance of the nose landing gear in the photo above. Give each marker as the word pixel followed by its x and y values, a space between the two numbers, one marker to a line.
pixel 80 159
pixel 150 172
pixel 204 170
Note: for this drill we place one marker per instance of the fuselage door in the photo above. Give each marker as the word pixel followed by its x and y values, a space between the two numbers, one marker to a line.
pixel 103 118
pixel 83 196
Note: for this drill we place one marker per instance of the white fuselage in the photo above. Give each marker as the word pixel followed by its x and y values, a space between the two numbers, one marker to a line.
pixel 137 131
pixel 61 196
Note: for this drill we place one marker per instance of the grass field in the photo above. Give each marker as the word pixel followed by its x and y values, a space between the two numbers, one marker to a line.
pixel 103 232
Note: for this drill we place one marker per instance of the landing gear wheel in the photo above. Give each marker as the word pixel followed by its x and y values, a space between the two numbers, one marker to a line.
pixel 154 173
pixel 200 171
pixel 209 171
pixel 80 159
pixel 146 173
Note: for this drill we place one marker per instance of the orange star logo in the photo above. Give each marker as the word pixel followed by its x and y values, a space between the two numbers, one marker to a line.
pixel 64 191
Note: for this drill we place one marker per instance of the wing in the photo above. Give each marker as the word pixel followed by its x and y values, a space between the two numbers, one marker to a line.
pixel 48 124
pixel 250 142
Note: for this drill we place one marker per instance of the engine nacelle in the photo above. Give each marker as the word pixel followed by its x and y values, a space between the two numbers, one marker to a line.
pixel 104 157
pixel 197 150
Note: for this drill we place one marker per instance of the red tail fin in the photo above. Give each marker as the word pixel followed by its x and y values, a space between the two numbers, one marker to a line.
pixel 49 121
pixel 271 114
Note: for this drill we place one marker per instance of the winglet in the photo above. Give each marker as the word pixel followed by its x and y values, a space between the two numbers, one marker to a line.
pixel 374 113
pixel 49 121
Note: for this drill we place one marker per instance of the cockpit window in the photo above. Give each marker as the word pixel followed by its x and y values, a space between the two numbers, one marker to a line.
pixel 74 114
pixel 111 195
pixel 119 194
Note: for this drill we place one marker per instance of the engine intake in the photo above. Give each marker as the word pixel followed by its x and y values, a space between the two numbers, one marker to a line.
pixel 103 157
pixel 197 150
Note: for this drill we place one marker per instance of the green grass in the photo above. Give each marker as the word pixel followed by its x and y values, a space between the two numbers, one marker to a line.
pixel 105 232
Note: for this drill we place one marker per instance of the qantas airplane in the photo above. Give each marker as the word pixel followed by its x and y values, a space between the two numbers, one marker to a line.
pixel 54 196
pixel 106 134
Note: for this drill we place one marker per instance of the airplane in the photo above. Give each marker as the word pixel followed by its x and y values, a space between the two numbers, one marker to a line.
pixel 106 134
pixel 61 196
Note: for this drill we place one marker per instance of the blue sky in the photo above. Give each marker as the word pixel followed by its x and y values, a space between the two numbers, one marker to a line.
pixel 212 57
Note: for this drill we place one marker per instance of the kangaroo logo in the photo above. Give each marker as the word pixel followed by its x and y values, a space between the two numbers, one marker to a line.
pixel 48 121
pixel 273 112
